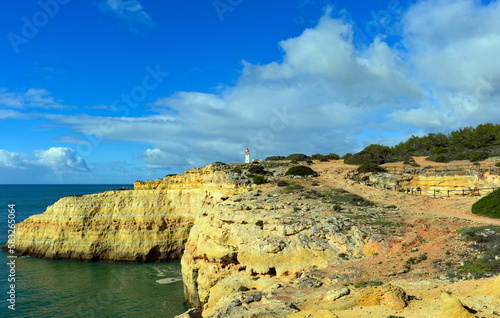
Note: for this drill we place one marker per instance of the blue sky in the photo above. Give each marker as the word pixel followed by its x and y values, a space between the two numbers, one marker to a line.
pixel 111 91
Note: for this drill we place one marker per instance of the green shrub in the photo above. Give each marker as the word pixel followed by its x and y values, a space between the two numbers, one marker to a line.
pixel 370 167
pixel 497 164
pixel 275 158
pixel 333 156
pixel 346 156
pixel 471 233
pixel 489 205
pixel 439 158
pixel 297 156
pixel 366 284
pixel 282 183
pixel 487 239
pixel 460 156
pixel 477 156
pixel 259 179
pixel 236 170
pixel 300 171
pixel 256 169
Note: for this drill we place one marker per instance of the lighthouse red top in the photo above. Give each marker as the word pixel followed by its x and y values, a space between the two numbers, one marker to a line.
pixel 247 151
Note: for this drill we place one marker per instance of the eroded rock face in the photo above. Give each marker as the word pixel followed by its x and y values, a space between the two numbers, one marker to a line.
pixel 258 237
pixel 150 223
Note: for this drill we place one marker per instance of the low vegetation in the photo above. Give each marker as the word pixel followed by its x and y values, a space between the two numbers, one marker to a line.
pixel 487 242
pixel 371 283
pixel 301 171
pixel 489 205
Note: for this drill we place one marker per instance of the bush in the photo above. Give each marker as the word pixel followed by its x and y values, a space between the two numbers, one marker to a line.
pixel 370 167
pixel 369 283
pixel 282 183
pixel 259 179
pixel 477 156
pixel 497 164
pixel 300 171
pixel 236 170
pixel 332 156
pixel 275 158
pixel 256 169
pixel 439 158
pixel 297 157
pixel 489 205
pixel 346 156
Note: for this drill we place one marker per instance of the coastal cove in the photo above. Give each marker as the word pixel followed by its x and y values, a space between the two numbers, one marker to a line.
pixel 61 288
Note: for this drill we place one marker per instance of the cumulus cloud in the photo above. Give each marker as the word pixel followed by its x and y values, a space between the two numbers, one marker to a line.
pixel 318 98
pixel 328 95
pixel 452 46
pixel 131 11
pixel 55 158
pixel 61 158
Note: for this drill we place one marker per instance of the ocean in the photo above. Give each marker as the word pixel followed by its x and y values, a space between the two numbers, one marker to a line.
pixel 55 288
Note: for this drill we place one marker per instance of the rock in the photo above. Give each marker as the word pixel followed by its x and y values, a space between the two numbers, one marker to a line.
pixel 389 295
pixel 191 313
pixel 453 308
pixel 254 305
pixel 308 282
pixel 333 295
pixel 491 288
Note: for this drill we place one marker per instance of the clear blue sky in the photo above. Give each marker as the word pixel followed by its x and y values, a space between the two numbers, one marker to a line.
pixel 111 91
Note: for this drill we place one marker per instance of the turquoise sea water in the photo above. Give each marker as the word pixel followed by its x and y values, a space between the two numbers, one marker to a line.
pixel 45 288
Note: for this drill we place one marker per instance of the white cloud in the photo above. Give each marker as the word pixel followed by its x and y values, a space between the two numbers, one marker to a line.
pixel 328 95
pixel 453 47
pixel 159 159
pixel 130 11
pixel 60 158
pixel 14 160
pixel 56 159
pixel 32 98
pixel 316 100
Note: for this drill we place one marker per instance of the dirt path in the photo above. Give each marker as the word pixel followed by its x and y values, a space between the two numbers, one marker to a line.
pixel 332 174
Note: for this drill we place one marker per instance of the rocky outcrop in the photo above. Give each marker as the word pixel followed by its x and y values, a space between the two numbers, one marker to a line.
pixel 150 223
pixel 453 308
pixel 259 238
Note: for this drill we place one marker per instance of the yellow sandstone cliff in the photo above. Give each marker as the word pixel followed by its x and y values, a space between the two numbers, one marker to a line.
pixel 150 223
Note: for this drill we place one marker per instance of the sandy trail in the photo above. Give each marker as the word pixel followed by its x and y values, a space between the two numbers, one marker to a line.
pixel 332 174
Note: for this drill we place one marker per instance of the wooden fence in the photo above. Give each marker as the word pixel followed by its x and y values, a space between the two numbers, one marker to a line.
pixel 435 193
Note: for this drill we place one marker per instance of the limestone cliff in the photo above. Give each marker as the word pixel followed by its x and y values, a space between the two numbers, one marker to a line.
pixel 151 222
pixel 262 237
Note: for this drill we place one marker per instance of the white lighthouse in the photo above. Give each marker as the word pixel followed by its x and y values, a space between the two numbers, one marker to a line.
pixel 247 156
